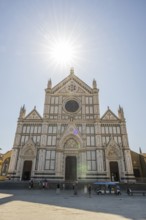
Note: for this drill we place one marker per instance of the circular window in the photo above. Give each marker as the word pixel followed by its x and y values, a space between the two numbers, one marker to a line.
pixel 71 106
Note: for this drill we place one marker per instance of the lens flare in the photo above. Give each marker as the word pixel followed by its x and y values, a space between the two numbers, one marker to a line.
pixel 63 52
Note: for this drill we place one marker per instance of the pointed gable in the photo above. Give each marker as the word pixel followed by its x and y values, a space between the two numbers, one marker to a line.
pixel 72 84
pixel 113 151
pixel 28 150
pixel 33 115
pixel 109 116
pixel 71 137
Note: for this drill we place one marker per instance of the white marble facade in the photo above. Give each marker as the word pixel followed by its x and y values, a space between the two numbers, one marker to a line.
pixel 71 141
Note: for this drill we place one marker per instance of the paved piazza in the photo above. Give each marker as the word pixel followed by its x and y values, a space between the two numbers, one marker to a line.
pixel 47 205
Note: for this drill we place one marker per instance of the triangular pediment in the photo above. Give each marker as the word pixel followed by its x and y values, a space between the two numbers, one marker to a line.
pixel 72 84
pixel 109 116
pixel 33 115
pixel 71 129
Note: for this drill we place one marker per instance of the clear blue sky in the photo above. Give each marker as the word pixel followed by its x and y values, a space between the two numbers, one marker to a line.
pixel 111 38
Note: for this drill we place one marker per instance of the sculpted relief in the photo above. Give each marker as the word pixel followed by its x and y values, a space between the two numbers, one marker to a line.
pixel 71 143
pixel 113 152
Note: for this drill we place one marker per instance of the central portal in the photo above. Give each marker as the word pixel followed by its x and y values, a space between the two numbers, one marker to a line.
pixel 71 168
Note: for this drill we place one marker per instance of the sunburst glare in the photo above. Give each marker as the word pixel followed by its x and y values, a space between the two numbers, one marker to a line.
pixel 63 52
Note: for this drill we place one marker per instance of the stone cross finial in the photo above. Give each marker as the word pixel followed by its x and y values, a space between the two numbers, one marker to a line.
pixel 72 71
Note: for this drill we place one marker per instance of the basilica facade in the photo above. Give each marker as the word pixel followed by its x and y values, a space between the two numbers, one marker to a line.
pixel 71 141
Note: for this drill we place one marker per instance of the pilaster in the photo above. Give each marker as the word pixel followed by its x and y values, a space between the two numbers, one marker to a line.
pixel 99 155
pixel 124 135
pixel 96 104
pixel 59 163
pixel 41 162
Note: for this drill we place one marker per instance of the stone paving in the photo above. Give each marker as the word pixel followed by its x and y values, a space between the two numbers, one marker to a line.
pixel 47 205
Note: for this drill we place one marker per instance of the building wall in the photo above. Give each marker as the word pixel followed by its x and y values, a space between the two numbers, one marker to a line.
pixel 1 161
pixel 71 129
pixel 139 166
pixel 5 161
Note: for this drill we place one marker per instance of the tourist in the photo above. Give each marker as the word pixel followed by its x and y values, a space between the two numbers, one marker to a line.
pixel 43 184
pixel 75 187
pixel 58 189
pixel 89 190
pixel 109 188
pixel 63 186
pixel 31 184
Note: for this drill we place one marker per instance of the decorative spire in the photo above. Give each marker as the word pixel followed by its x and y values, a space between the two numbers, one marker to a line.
pixel 121 113
pixel 49 84
pixel 94 84
pixel 140 151
pixel 22 112
pixel 72 71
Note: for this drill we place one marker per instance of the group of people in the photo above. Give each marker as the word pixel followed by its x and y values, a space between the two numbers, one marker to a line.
pixel 43 184
pixel 75 189
pixel 115 189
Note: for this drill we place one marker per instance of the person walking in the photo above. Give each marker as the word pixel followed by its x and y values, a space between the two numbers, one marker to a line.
pixel 31 184
pixel 46 184
pixel 89 190
pixel 43 184
pixel 63 186
pixel 58 189
pixel 75 188
pixel 109 188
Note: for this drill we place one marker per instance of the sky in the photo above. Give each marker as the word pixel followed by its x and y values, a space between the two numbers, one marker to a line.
pixel 109 39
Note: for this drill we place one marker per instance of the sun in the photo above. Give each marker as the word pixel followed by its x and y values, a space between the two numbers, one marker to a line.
pixel 63 52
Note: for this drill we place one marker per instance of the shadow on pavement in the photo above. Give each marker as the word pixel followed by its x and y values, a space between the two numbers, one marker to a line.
pixel 125 206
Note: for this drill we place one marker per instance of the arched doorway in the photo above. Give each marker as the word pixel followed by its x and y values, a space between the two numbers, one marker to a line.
pixel 71 168
pixel 114 170
pixel 27 170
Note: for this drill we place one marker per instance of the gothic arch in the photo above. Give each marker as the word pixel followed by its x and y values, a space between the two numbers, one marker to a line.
pixel 114 162
pixel 69 135
pixel 113 151
pixel 71 143
pixel 28 151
